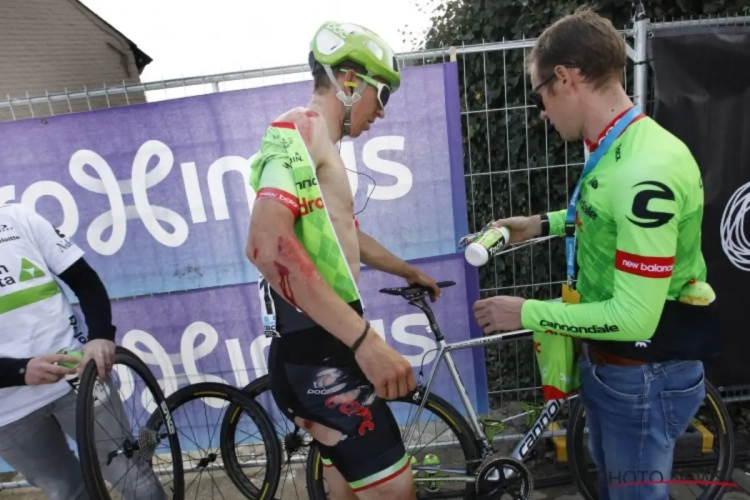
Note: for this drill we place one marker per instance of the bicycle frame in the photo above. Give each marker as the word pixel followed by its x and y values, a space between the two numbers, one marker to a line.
pixel 548 415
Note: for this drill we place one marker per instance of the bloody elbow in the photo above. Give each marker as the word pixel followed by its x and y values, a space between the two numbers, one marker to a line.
pixel 259 248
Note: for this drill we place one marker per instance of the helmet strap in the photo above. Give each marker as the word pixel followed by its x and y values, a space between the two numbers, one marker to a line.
pixel 347 100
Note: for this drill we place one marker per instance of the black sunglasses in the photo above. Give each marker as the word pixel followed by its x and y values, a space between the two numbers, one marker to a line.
pixel 534 94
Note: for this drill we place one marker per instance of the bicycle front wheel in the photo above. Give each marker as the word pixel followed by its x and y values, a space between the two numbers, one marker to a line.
pixel 116 445
pixel 704 456
pixel 442 447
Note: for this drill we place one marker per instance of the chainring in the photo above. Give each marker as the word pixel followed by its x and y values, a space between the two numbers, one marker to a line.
pixel 492 482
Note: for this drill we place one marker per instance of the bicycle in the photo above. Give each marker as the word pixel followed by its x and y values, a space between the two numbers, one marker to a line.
pixel 482 470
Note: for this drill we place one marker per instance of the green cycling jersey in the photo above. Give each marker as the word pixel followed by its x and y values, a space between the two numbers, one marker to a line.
pixel 284 171
pixel 638 228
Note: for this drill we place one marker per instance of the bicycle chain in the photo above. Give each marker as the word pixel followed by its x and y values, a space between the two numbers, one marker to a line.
pixel 487 489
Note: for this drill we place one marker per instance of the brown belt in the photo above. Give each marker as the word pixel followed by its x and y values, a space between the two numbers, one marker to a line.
pixel 600 357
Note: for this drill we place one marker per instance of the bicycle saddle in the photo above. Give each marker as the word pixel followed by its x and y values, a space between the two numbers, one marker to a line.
pixel 415 290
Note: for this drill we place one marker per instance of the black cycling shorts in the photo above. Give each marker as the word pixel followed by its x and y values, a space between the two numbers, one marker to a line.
pixel 314 376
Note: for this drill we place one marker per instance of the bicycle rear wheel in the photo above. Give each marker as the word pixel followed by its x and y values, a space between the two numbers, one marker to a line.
pixel 119 448
pixel 711 431
pixel 292 442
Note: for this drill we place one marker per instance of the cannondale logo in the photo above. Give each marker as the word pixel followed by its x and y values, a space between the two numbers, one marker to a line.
pixel 119 213
pixel 733 240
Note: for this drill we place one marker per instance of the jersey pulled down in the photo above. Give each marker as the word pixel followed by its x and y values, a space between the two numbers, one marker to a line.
pixel 36 317
pixel 284 171
pixel 638 230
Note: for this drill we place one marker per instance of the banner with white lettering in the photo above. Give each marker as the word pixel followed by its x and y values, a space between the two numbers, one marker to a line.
pixel 157 194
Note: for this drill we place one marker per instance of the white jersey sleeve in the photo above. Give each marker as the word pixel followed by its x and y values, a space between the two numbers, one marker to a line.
pixel 58 251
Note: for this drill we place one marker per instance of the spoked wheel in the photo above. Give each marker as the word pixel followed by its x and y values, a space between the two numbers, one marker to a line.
pixel 120 456
pixel 704 457
pixel 293 443
pixel 210 456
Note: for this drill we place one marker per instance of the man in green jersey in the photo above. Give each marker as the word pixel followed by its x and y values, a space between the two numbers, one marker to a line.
pixel 330 372
pixel 633 243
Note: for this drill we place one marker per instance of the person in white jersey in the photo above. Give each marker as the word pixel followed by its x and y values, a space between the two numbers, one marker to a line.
pixel 37 404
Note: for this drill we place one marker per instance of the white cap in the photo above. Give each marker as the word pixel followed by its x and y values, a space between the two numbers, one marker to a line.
pixel 476 255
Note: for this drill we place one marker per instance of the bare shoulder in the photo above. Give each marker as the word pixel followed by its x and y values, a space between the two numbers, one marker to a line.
pixel 313 130
pixel 312 127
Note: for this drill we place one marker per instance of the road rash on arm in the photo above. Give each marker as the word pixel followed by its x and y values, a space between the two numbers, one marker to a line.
pixel 274 249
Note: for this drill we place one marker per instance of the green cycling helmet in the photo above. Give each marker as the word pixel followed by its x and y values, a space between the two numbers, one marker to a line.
pixel 336 43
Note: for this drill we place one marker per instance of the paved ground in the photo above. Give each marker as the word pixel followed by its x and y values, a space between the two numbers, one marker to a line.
pixel 291 491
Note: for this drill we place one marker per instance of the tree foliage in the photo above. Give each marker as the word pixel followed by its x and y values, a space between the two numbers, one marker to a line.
pixel 515 164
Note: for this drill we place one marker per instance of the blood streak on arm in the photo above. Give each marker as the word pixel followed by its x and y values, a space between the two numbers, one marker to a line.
pixel 285 283
pixel 292 258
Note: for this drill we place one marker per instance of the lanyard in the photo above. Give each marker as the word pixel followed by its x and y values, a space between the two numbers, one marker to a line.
pixel 570 215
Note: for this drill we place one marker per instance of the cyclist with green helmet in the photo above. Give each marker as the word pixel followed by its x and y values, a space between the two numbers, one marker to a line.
pixel 330 371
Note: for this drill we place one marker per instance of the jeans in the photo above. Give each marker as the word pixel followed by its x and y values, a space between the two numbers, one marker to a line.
pixel 36 447
pixel 634 415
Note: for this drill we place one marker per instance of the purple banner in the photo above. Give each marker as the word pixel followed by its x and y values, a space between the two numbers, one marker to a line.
pixel 157 194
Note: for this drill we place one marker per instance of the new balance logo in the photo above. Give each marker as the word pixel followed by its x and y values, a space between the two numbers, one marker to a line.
pixel 641 265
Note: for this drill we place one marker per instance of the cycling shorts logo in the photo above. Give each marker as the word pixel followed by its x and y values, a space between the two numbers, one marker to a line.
pixel 579 329
pixel 326 378
pixel 307 207
pixel 354 408
pixel 329 390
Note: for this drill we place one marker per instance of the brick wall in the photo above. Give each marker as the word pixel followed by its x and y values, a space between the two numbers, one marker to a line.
pixel 48 45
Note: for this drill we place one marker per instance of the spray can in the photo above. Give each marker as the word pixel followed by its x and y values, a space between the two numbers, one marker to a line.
pixel 100 390
pixel 487 245
pixel 71 379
